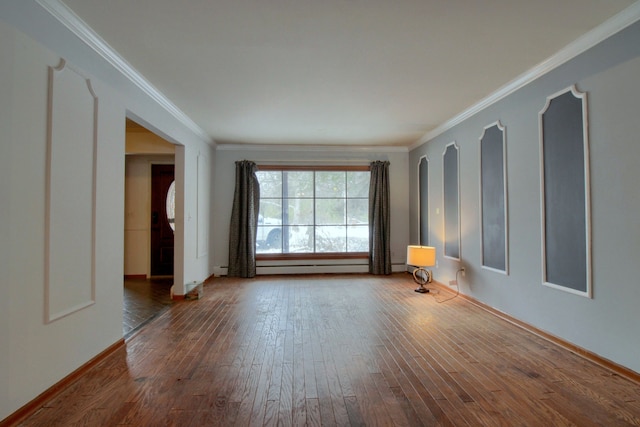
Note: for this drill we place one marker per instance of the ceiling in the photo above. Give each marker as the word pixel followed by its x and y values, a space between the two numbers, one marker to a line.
pixel 335 72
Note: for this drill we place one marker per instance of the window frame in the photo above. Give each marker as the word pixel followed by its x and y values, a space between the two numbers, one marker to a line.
pixel 313 255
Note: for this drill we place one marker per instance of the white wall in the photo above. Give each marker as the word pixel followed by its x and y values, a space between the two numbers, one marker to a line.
pixel 225 182
pixel 604 325
pixel 194 164
pixel 34 354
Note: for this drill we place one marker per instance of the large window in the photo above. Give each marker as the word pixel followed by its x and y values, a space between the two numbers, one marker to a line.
pixel 313 210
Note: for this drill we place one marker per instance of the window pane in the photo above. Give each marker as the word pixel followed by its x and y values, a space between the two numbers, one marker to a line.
pixel 331 239
pixel 268 236
pixel 270 212
pixel 358 238
pixel 298 183
pixel 357 211
pixel 358 184
pixel 330 212
pixel 330 184
pixel 269 239
pixel 171 205
pixel 270 183
pixel 298 239
pixel 300 211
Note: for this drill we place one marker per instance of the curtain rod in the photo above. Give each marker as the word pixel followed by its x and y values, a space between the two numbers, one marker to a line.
pixel 315 162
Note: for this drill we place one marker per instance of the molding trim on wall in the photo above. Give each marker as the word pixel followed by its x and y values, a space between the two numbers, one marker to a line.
pixel 77 26
pixel 593 357
pixel 546 218
pixel 202 208
pixel 30 408
pixel 608 28
pixel 420 194
pixel 445 220
pixel 70 285
pixel 505 193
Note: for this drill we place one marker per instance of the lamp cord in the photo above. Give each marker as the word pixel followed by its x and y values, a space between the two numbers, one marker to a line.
pixel 457 290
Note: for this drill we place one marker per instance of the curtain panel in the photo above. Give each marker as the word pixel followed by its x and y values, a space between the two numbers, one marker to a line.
pixel 244 221
pixel 379 222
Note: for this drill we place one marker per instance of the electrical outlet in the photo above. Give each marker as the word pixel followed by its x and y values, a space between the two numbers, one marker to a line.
pixel 464 271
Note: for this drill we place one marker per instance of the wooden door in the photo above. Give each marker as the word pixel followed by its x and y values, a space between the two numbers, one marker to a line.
pixel 162 227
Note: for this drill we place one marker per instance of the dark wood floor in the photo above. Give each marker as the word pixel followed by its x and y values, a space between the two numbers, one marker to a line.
pixel 339 350
pixel 144 299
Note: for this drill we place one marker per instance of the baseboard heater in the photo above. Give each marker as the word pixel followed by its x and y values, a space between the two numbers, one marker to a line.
pixel 312 268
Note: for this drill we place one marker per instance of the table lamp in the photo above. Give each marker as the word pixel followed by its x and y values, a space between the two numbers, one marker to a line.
pixel 421 257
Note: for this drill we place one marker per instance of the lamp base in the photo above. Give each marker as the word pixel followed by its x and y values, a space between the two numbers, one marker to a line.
pixel 425 277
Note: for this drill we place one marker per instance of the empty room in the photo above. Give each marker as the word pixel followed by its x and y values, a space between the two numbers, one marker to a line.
pixel 339 212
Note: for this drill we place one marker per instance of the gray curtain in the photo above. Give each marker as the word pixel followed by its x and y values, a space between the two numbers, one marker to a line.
pixel 379 223
pixel 244 221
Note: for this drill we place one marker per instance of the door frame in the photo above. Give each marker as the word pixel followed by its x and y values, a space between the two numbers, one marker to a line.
pixel 179 159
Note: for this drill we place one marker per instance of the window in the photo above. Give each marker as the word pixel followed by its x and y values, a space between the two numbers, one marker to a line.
pixel 313 210
pixel 171 205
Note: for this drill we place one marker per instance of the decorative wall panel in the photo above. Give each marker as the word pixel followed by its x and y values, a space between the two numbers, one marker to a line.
pixel 423 188
pixel 493 198
pixel 566 237
pixel 71 180
pixel 202 220
pixel 451 195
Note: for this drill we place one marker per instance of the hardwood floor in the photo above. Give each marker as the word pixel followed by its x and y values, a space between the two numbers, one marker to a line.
pixel 341 350
pixel 144 299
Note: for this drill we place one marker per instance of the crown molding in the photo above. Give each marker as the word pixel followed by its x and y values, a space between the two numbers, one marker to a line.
pixel 615 24
pixel 78 27
pixel 312 148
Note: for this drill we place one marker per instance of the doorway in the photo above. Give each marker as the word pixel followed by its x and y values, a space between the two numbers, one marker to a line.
pixel 149 174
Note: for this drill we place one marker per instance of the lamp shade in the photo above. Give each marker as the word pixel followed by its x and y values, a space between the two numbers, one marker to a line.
pixel 421 256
